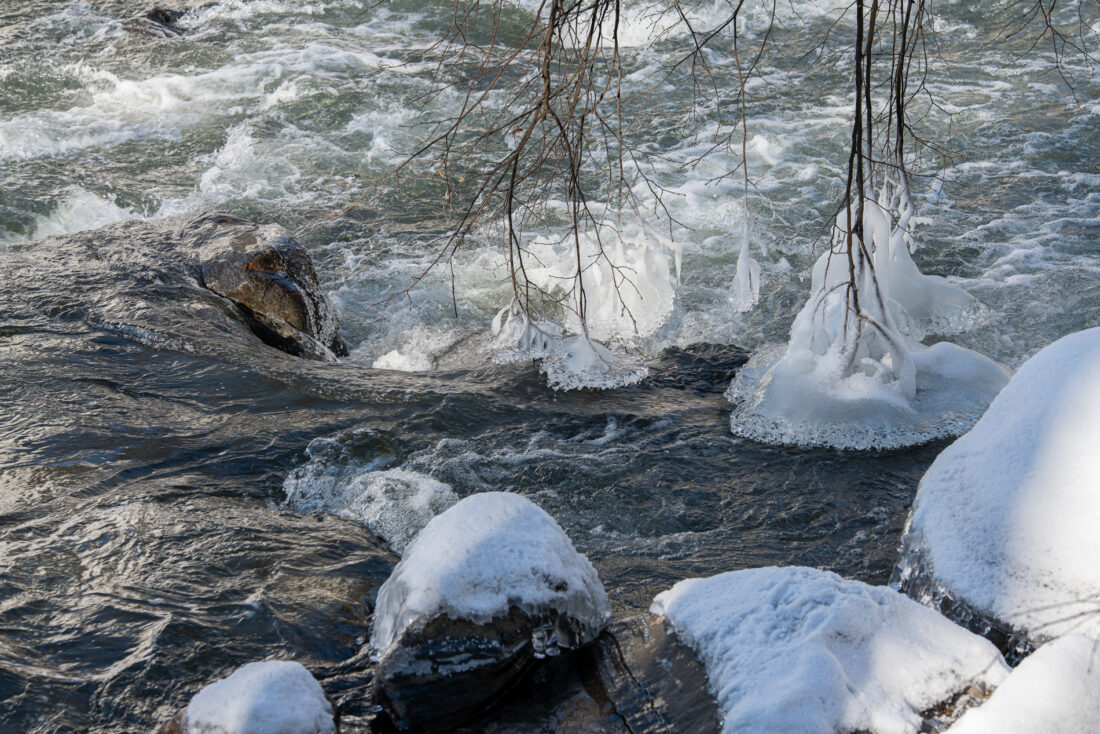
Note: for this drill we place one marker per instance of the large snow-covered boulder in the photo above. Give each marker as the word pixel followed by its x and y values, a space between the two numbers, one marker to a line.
pixel 801 650
pixel 272 697
pixel 1055 690
pixel 1005 529
pixel 483 589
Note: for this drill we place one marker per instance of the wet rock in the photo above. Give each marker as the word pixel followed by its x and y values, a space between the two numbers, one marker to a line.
pixel 655 682
pixel 270 278
pixel 157 21
pixel 486 588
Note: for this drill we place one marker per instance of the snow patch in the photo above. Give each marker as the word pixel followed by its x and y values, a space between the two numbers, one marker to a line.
pixel 273 697
pixel 1006 517
pixel 1055 690
pixel 802 650
pixel 488 553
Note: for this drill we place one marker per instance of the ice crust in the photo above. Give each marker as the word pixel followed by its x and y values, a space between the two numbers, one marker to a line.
pixel 488 553
pixel 1006 517
pixel 1055 690
pixel 272 697
pixel 801 650
pixel 868 387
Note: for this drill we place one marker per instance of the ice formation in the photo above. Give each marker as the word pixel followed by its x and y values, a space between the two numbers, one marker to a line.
pixel 802 650
pixel 516 335
pixel 488 553
pixel 746 281
pixel 579 362
pixel 273 697
pixel 629 289
pixel 1006 518
pixel 1055 690
pixel 919 304
pixel 394 503
pixel 848 378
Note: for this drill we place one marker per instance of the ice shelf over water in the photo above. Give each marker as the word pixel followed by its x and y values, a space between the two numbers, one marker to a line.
pixel 801 650
pixel 488 553
pixel 1055 690
pixel 1006 518
pixel 272 697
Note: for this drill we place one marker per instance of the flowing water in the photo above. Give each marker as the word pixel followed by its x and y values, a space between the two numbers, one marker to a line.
pixel 160 519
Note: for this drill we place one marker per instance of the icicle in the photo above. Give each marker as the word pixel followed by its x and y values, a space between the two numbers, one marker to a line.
pixel 746 282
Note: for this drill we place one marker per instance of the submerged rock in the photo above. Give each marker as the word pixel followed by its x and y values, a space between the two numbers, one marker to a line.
pixel 272 697
pixel 483 590
pixel 203 286
pixel 1002 536
pixel 157 21
pixel 267 274
pixel 797 649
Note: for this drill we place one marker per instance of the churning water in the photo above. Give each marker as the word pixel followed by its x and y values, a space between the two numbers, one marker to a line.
pixel 160 520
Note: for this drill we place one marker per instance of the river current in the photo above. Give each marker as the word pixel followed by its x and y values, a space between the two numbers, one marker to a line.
pixel 147 544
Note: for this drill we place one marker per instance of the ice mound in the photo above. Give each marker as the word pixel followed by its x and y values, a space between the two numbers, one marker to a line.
pixel 579 362
pixel 802 650
pixel 485 555
pixel 273 697
pixel 850 376
pixel 1005 520
pixel 395 504
pixel 1055 690
pixel 794 396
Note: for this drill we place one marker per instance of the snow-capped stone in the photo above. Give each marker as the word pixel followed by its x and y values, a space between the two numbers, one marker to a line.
pixel 1004 525
pixel 483 589
pixel 272 697
pixel 801 650
pixel 1055 690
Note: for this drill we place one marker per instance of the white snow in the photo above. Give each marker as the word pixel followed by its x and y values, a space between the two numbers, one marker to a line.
pixel 394 503
pixel 273 697
pixel 1055 690
pixel 1006 518
pixel 486 554
pixel 801 650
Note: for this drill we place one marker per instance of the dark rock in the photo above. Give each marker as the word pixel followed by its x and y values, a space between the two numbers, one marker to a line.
pixel 636 678
pixel 446 671
pixel 270 278
pixel 655 682
pixel 157 21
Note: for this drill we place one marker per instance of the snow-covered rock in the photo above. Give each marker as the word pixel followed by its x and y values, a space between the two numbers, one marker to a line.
pixel 484 588
pixel 272 697
pixel 1004 528
pixel 1055 690
pixel 801 650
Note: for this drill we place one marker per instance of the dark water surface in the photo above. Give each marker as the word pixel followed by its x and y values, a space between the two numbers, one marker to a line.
pixel 145 546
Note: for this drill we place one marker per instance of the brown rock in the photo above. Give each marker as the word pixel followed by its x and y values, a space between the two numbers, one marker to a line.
pixel 270 278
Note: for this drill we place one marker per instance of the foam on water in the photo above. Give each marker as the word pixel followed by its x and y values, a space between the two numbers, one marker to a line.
pixel 78 210
pixel 394 503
